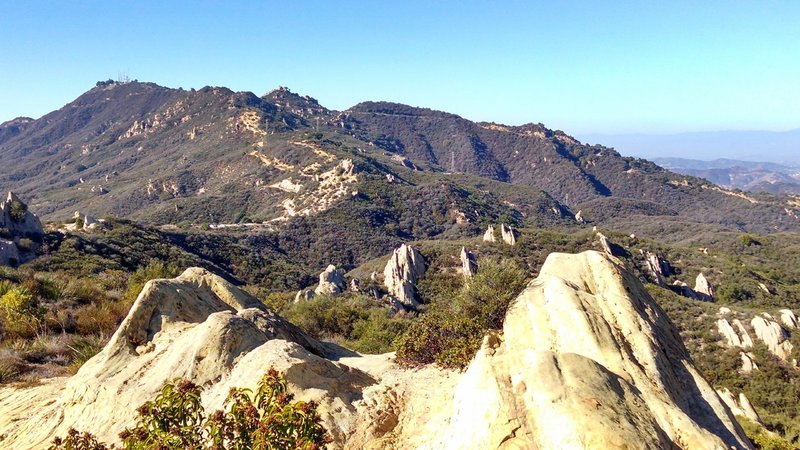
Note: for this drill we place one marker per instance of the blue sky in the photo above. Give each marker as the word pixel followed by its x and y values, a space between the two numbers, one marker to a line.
pixel 583 67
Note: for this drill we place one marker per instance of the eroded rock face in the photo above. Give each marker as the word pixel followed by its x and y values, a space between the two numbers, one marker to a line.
pixel 587 360
pixel 739 406
pixel 773 336
pixel 9 254
pixel 738 337
pixel 684 289
pixel 703 288
pixel 508 234
pixel 17 219
pixel 488 236
pixel 331 281
pixel 469 264
pixel 405 267
pixel 658 268
pixel 788 318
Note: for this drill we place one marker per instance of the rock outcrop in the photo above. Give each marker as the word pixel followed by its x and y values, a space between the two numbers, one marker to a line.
pixel 331 281
pixel 748 363
pixel 684 289
pixel 469 264
pixel 773 336
pixel 738 337
pixel 17 219
pixel 508 234
pixel 739 406
pixel 405 267
pixel 587 360
pixel 659 269
pixel 18 223
pixel 788 318
pixel 488 236
pixel 703 288
pixel 303 295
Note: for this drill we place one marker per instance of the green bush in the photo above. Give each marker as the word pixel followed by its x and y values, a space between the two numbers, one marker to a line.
pixel 153 270
pixel 266 419
pixel 451 334
pixel 18 211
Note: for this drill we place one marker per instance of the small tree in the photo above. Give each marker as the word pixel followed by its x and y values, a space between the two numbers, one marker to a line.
pixel 18 210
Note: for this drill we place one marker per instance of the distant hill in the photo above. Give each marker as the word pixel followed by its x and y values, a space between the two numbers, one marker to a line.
pixel 735 174
pixel 777 147
pixel 213 156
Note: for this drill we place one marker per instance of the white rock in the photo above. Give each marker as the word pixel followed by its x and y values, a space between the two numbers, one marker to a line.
pixel 404 268
pixel 740 406
pixel 748 363
pixel 28 224
pixel 469 265
pixel 587 360
pixel 331 281
pixel 773 336
pixel 579 217
pixel 488 236
pixel 703 287
pixel 509 235
pixel 788 318
pixel 303 294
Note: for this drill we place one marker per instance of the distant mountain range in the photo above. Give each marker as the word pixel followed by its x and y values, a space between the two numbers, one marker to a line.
pixel 736 174
pixel 171 156
pixel 771 146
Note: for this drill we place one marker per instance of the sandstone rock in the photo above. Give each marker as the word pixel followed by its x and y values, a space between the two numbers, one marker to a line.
pixel 488 236
pixel 401 274
pixel 739 406
pixel 605 244
pixel 331 281
pixel 509 235
pixel 355 285
pixel 658 268
pixel 303 294
pixel 405 162
pixel 766 289
pixel 8 253
pixel 25 224
pixel 723 310
pixel 748 364
pixel 469 265
pixel 587 360
pixel 579 217
pixel 735 335
pixel 773 336
pixel 703 287
pixel 788 318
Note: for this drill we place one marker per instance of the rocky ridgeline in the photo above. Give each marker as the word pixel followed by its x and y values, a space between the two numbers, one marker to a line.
pixel 586 359
pixel 764 327
pixel 20 232
pixel 507 234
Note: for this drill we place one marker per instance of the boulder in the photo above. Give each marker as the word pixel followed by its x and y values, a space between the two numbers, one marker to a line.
pixel 739 406
pixel 17 219
pixel 703 288
pixel 355 285
pixel 735 334
pixel 605 243
pixel 773 336
pixel 488 236
pixel 331 281
pixel 579 217
pixel 748 363
pixel 788 318
pixel 587 360
pixel 404 268
pixel 509 235
pixel 469 264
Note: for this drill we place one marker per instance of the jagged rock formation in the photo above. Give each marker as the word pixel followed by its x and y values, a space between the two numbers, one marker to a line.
pixel 740 406
pixel 469 264
pixel 331 281
pixel 703 288
pixel 16 223
pixel 401 273
pixel 17 219
pixel 82 222
pixel 775 337
pixel 748 363
pixel 579 217
pixel 658 268
pixel 734 338
pixel 586 360
pixel 605 243
pixel 488 236
pixel 509 235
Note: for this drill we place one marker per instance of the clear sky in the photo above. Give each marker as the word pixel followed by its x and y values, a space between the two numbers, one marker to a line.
pixel 583 67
